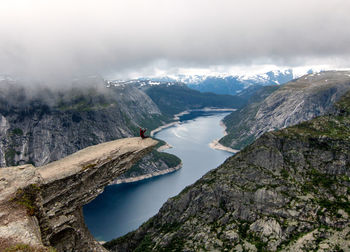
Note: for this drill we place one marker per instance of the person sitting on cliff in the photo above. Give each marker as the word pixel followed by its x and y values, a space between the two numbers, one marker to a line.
pixel 142 133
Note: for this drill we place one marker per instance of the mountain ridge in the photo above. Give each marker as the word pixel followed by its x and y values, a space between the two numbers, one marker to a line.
pixel 223 83
pixel 288 191
pixel 299 100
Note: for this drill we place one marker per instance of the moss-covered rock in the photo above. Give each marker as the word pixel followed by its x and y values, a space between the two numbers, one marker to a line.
pixel 288 191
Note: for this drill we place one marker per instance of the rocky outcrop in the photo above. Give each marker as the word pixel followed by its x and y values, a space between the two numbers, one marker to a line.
pixel 155 164
pixel 288 191
pixel 297 101
pixel 42 206
pixel 155 172
pixel 45 125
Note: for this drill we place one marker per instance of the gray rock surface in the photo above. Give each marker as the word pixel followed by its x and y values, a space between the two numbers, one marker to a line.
pixel 42 206
pixel 297 101
pixel 46 125
pixel 288 191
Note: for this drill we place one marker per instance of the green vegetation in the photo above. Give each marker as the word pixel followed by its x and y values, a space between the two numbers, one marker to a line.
pixel 169 159
pixel 243 141
pixel 88 99
pixel 238 123
pixel 260 245
pixel 177 98
pixel 10 156
pixel 87 166
pixel 320 179
pixel 330 126
pixel 343 105
pixel 146 242
pixel 120 240
pixel 17 131
pixel 27 198
pixel 176 244
pixel 155 156
pixel 294 237
pixel 335 127
pixel 316 180
pixel 170 227
pixel 334 206
pixel 84 102
pixel 310 184
pixel 243 228
pixel 154 121
pixel 284 173
pixel 145 245
pixel 20 247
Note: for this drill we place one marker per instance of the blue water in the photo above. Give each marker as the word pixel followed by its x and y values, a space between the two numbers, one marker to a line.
pixel 123 208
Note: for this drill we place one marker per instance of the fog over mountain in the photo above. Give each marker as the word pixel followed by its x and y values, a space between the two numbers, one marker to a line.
pixel 50 39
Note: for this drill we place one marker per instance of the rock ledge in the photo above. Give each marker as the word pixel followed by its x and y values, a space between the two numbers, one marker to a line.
pixel 42 206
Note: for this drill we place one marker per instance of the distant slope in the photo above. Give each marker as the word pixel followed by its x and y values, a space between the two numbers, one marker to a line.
pixel 175 98
pixel 45 125
pixel 288 191
pixel 155 162
pixel 230 84
pixel 233 85
pixel 299 100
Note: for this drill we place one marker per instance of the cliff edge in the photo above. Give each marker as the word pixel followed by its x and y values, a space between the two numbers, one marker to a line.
pixel 288 191
pixel 297 101
pixel 42 207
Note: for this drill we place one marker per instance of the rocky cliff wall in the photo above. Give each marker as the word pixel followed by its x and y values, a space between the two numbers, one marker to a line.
pixel 45 125
pixel 297 101
pixel 42 207
pixel 288 191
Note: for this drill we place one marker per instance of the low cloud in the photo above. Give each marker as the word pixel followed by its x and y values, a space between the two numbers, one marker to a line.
pixel 59 38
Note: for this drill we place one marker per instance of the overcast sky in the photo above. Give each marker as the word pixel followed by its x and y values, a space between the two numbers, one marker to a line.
pixel 62 37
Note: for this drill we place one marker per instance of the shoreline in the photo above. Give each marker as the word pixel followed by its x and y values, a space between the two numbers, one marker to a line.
pixel 218 146
pixel 177 117
pixel 214 145
pixel 162 127
pixel 146 176
pixel 164 147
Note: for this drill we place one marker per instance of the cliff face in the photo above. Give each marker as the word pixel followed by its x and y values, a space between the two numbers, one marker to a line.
pixel 297 101
pixel 287 191
pixel 46 125
pixel 173 98
pixel 154 164
pixel 43 206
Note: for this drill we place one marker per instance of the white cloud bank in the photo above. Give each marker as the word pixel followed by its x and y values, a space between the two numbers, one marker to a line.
pixel 40 38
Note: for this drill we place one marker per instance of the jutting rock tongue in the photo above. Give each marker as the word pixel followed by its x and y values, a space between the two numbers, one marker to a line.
pixel 46 202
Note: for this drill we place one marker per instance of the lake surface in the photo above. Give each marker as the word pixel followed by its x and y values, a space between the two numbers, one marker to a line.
pixel 123 208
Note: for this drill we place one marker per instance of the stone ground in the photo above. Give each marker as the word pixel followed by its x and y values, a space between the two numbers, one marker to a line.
pixel 17 226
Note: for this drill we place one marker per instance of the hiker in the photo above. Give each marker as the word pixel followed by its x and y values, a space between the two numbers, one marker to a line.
pixel 142 133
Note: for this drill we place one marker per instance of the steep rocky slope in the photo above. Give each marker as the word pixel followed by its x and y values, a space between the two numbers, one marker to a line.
pixel 299 100
pixel 45 125
pixel 173 98
pixel 288 191
pixel 154 164
pixel 235 84
pixel 42 207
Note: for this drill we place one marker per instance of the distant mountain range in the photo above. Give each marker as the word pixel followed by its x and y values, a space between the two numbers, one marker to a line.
pixel 287 191
pixel 225 83
pixel 278 107
pixel 235 84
